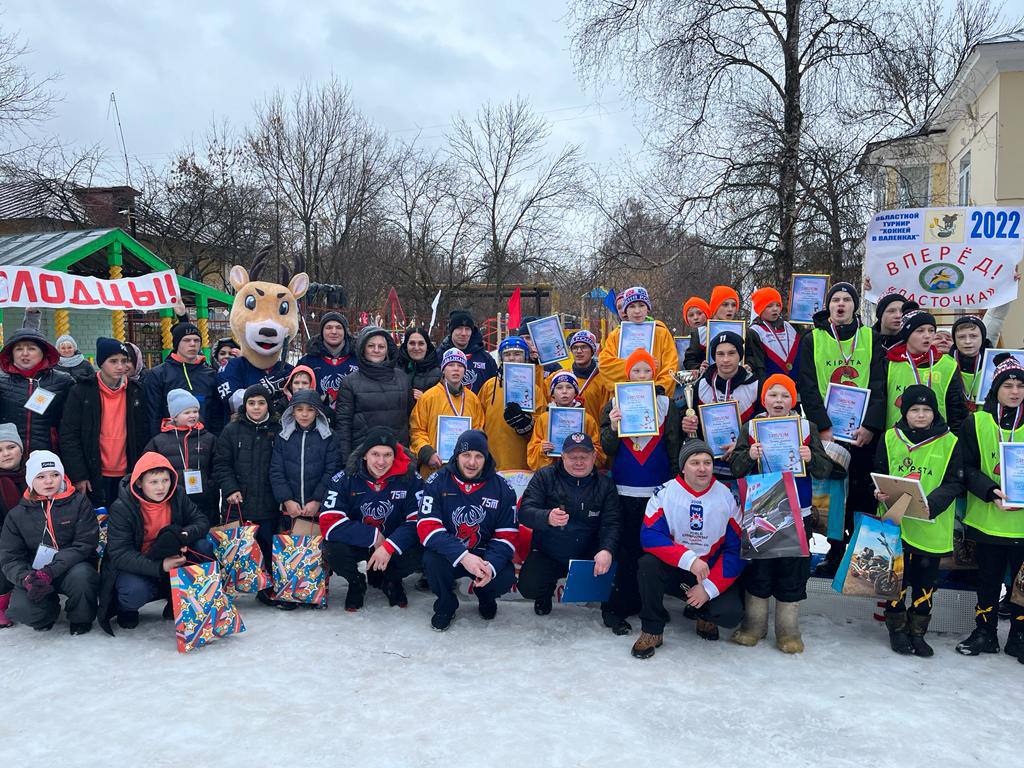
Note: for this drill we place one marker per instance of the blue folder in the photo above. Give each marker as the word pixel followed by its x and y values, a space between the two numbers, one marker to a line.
pixel 581 586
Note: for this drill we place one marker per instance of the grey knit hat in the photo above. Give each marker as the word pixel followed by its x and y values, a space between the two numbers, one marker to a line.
pixel 178 400
pixel 9 434
pixel 691 447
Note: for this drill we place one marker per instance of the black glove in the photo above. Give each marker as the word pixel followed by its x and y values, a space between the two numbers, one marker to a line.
pixel 517 419
pixel 271 384
pixel 168 543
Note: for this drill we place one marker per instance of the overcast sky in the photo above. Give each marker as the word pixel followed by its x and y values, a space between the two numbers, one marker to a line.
pixel 411 65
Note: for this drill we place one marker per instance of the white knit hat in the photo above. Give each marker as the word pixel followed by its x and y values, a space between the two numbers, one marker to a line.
pixel 39 462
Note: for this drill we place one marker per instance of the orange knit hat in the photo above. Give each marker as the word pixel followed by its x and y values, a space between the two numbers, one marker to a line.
pixel 762 297
pixel 636 356
pixel 695 302
pixel 718 295
pixel 784 381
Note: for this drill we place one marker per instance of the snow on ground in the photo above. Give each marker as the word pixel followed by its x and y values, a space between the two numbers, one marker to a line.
pixel 380 688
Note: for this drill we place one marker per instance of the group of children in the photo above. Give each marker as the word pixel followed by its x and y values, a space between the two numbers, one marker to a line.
pixel 277 465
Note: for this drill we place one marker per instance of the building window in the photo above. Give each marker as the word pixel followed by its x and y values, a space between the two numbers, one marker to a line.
pixel 963 196
pixel 912 186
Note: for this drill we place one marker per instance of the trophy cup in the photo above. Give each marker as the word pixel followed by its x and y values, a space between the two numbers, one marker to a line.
pixel 688 380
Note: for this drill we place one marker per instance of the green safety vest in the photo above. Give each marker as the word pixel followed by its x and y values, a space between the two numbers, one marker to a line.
pixel 985 516
pixel 901 376
pixel 830 361
pixel 928 461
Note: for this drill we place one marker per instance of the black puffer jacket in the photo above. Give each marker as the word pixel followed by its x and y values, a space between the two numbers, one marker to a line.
pixel 182 446
pixel 80 371
pixel 80 429
pixel 377 395
pixel 198 378
pixel 425 373
pixel 38 431
pixel 242 463
pixel 593 506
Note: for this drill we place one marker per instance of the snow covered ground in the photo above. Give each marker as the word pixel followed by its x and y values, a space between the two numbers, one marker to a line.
pixel 379 688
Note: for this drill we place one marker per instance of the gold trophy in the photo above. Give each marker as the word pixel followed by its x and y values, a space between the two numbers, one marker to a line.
pixel 688 380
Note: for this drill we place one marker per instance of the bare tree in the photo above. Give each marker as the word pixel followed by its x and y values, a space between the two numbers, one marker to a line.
pixel 25 99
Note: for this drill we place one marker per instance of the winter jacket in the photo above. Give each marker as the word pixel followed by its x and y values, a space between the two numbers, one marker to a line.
pixel 80 371
pixel 536 458
pixel 330 370
pixel 125 530
pixel 482 365
pixel 73 521
pixel 640 464
pixel 303 460
pixel 508 448
pixel 434 403
pixel 241 462
pixel 592 503
pixel 952 485
pixel 377 395
pixel 80 429
pixel 38 431
pixel 358 506
pixel 423 374
pixel 198 378
pixel 697 352
pixel 664 353
pixel 190 448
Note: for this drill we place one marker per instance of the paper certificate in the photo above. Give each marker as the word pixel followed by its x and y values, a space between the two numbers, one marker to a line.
pixel 988 369
pixel 906 497
pixel 448 430
pixel 846 406
pixel 806 296
pixel 636 336
pixel 548 339
pixel 720 423
pixel 519 385
pixel 780 440
pixel 715 327
pixel 682 345
pixel 563 422
pixel 1011 474
pixel 638 403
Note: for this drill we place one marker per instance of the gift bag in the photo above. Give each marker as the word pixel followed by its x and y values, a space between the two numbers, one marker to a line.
pixel 303 526
pixel 772 523
pixel 828 505
pixel 101 521
pixel 1017 593
pixel 230 524
pixel 298 570
pixel 240 558
pixel 203 611
pixel 873 563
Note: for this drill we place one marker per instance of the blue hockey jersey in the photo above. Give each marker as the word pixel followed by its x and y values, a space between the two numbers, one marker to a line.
pixel 239 374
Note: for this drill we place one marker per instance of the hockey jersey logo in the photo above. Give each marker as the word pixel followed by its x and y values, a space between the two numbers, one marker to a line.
pixel 467 520
pixel 376 512
pixel 696 516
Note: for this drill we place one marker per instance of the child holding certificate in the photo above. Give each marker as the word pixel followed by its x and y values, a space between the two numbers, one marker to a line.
pixel 595 389
pixel 638 466
pixel 637 305
pixel 696 313
pixel 508 425
pixel 784 578
pixel 997 530
pixel 772 343
pixel 970 340
pixel 565 392
pixel 449 397
pixel 920 446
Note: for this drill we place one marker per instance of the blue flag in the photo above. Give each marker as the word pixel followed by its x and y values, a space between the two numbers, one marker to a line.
pixel 609 302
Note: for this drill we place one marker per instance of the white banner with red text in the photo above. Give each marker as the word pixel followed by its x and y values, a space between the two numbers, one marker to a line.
pixel 43 288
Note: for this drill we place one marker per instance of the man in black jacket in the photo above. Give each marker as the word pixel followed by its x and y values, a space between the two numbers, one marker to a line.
pixel 574 513
pixel 185 368
pixel 105 425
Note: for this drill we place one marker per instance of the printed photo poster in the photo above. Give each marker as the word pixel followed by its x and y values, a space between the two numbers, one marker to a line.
pixel 806 296
pixel 846 406
pixel 563 422
pixel 638 402
pixel 549 339
pixel 720 423
pixel 780 440
pixel 1011 474
pixel 988 369
pixel 716 327
pixel 682 345
pixel 519 383
pixel 633 336
pixel 945 258
pixel 772 523
pixel 448 430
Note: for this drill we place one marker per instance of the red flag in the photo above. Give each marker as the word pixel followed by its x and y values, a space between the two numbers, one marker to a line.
pixel 514 311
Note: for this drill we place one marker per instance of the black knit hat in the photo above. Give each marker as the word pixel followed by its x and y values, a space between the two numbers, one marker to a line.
pixel 914 320
pixel 256 390
pixel 843 288
pixel 105 347
pixel 918 394
pixel 227 341
pixel 1007 368
pixel 471 440
pixel 180 331
pixel 459 318
pixel 727 337
pixel 336 317
pixel 891 298
pixel 379 436
pixel 977 322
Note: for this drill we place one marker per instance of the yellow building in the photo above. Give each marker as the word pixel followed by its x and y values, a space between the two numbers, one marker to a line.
pixel 971 151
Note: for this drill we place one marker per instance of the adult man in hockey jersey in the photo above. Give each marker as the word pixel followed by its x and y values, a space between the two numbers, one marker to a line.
pixel 691 541
pixel 467 524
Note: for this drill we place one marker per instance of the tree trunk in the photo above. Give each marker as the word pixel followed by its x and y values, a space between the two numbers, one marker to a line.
pixel 792 122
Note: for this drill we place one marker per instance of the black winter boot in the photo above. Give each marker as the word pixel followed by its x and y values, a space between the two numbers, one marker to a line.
pixel 1015 642
pixel 394 590
pixel 355 595
pixel 918 628
pixel 899 638
pixel 982 640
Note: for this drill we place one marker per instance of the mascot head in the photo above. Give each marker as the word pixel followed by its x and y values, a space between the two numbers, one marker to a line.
pixel 264 315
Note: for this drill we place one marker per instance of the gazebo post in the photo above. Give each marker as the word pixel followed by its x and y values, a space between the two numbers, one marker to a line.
pixel 1 326
pixel 115 261
pixel 202 321
pixel 165 332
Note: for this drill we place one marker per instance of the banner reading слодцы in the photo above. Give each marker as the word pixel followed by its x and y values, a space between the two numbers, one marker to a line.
pixel 44 288
pixel 945 258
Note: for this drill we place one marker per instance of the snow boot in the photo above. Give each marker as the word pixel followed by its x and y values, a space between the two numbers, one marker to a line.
pixel 982 640
pixel 394 590
pixel 5 622
pixel 617 624
pixel 488 607
pixel 645 645
pixel 422 585
pixel 168 613
pixel 127 619
pixel 439 622
pixel 375 578
pixel 707 629
pixel 918 628
pixel 80 628
pixel 356 594
pixel 1015 640
pixel 44 628
pixel 899 638
pixel 787 627
pixel 542 606
pixel 755 622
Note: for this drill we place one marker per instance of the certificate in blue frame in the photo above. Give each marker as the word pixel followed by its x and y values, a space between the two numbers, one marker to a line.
pixel 448 430
pixel 716 327
pixel 806 296
pixel 633 336
pixel 720 423
pixel 548 339
pixel 638 403
pixel 1011 473
pixel 563 422
pixel 519 385
pixel 780 438
pixel 846 406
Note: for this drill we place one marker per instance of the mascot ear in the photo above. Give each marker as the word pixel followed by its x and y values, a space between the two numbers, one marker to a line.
pixel 299 284
pixel 238 277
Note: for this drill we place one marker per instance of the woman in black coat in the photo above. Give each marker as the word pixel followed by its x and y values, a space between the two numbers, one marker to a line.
pixel 418 358
pixel 377 395
pixel 28 363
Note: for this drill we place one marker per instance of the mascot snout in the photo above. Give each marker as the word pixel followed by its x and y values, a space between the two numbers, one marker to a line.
pixel 265 336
